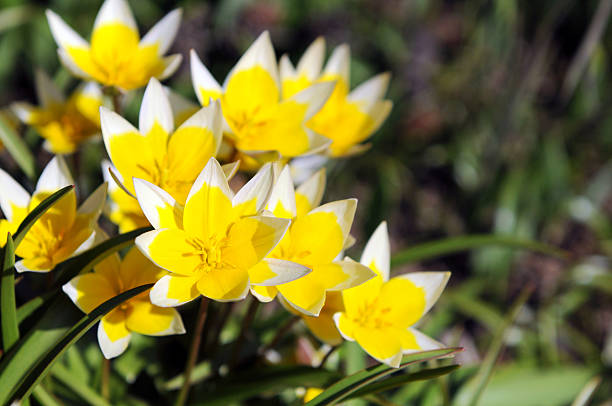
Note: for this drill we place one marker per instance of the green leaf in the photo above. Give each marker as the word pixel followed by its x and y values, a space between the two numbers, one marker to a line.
pixel 345 387
pixel 8 306
pixel 17 148
pixel 62 374
pixel 30 306
pixel 451 245
pixel 400 380
pixel 60 327
pixel 44 398
pixel 38 211
pixel 471 391
pixel 273 379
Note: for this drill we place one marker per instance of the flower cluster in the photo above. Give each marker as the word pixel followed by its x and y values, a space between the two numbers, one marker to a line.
pixel 267 238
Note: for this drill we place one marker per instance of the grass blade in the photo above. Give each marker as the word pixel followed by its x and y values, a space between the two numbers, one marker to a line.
pixel 38 211
pixel 587 392
pixel 62 374
pixel 44 398
pixel 17 148
pixel 345 387
pixel 471 391
pixel 451 245
pixel 8 306
pixel 60 327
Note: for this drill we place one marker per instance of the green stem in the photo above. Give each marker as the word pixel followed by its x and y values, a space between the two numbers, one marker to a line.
pixel 193 352
pixel 246 324
pixel 105 384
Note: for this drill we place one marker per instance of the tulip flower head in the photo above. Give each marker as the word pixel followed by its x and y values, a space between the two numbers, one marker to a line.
pixel 258 118
pixel 136 315
pixel 314 240
pixel 210 246
pixel 381 313
pixel 348 117
pixel 61 231
pixel 168 158
pixel 117 56
pixel 64 124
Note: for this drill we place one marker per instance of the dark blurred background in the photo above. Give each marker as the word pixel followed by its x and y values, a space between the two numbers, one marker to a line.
pixel 501 124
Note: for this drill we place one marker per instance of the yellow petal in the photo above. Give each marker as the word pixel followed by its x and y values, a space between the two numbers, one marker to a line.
pixel 145 318
pixel 383 344
pixel 224 284
pixel 174 290
pixel 90 290
pixel 306 294
pixel 170 249
pixel 137 270
pixel 404 301
pixel 113 336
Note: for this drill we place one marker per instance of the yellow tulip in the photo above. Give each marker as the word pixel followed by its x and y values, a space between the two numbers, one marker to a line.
pixel 136 315
pixel 61 231
pixel 381 313
pixel 64 124
pixel 348 117
pixel 257 117
pixel 210 245
pixel 316 237
pixel 117 56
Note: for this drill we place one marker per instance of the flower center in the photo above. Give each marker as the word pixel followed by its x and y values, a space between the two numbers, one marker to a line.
pixel 372 315
pixel 209 251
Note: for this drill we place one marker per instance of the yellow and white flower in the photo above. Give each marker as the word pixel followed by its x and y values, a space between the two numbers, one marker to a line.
pixel 61 231
pixel 380 314
pixel 211 245
pixel 348 117
pixel 117 56
pixel 136 315
pixel 316 237
pixel 156 152
pixel 257 117
pixel 64 124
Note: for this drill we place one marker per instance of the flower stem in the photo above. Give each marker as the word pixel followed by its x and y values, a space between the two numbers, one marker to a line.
pixel 193 352
pixel 105 384
pixel 279 334
pixel 246 324
pixel 327 355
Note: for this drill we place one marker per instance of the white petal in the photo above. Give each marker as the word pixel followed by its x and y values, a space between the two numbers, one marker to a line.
pixel 152 198
pixel 71 290
pixel 113 125
pixel 65 36
pixel 258 189
pixel 11 194
pixel 71 65
pixel 164 32
pixel 23 111
pixel 111 349
pixel 312 60
pixel 261 298
pixel 260 53
pixel 357 274
pixel 283 193
pixel 21 268
pixel 94 203
pixel 377 251
pixel 317 143
pixel 55 176
pixel 211 175
pixel 424 342
pixel 171 63
pixel 303 167
pixel 202 78
pixel 286 69
pixel 372 90
pixel 159 293
pixel 211 118
pixel 92 240
pixel 433 283
pixel 314 187
pixel 230 169
pixel 314 97
pixel 344 210
pixel 90 89
pixel 107 166
pixel 179 104
pixel 115 11
pixel 46 91
pixel 286 271
pixel 339 63
pixel 155 108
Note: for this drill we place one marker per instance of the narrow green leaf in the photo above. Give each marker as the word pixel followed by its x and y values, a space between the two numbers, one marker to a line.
pixel 62 374
pixel 12 17
pixel 17 148
pixel 44 398
pixel 8 306
pixel 31 305
pixel 238 387
pixel 400 380
pixel 60 327
pixel 345 387
pixel 587 392
pixel 38 211
pixel 451 245
pixel 470 393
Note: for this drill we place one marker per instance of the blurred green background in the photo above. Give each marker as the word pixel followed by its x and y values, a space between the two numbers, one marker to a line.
pixel 502 124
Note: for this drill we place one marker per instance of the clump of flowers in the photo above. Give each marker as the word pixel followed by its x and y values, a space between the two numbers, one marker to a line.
pixel 195 235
